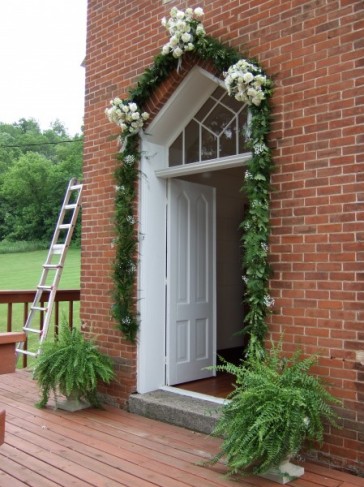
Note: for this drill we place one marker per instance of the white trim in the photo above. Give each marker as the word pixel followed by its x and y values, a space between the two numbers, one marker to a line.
pixel 198 167
pixel 194 90
pixel 196 395
pixel 151 283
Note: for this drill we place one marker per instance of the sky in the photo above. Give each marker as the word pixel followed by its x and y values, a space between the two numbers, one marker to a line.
pixel 42 46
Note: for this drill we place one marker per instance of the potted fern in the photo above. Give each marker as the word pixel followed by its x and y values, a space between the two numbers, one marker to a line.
pixel 72 366
pixel 276 409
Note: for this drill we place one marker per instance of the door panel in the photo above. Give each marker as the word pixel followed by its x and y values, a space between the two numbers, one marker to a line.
pixel 191 282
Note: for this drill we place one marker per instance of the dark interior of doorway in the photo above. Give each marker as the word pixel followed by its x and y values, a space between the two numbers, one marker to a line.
pixel 223 383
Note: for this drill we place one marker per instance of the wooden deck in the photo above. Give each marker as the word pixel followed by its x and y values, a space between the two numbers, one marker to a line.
pixel 45 448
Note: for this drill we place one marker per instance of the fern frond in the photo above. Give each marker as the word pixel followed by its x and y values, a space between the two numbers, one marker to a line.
pixel 72 365
pixel 276 406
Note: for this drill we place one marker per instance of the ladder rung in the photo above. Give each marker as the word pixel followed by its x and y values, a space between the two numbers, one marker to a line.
pixel 45 288
pixel 58 248
pixel 26 352
pixel 33 330
pixel 52 266
pixel 70 206
pixel 76 187
pixel 64 226
pixel 38 308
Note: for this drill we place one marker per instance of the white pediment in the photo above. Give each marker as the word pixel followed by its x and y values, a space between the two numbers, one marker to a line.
pixel 185 101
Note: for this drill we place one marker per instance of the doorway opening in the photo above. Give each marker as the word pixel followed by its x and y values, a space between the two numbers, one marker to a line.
pixel 230 343
pixel 203 145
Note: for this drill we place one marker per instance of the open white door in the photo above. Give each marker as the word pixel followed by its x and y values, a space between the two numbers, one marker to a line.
pixel 191 282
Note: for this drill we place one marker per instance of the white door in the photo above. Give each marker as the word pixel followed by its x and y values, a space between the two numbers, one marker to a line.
pixel 191 282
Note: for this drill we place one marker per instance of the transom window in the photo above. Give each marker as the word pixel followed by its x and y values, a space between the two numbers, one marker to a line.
pixel 214 132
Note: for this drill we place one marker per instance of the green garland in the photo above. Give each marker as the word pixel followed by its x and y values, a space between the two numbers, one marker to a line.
pixel 126 242
pixel 256 186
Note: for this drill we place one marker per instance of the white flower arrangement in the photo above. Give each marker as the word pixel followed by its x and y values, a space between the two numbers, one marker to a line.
pixel 268 301
pixel 126 115
pixel 183 28
pixel 246 82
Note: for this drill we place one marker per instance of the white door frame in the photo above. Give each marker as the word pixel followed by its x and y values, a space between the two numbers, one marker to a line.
pixel 194 90
pixel 152 303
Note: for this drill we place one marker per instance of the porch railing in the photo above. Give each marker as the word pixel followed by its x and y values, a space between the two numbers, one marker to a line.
pixel 24 299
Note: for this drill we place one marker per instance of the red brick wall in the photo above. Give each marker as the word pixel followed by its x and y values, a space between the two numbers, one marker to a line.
pixel 314 49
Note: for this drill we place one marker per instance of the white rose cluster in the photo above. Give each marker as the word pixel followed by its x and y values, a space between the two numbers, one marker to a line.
pixel 126 115
pixel 246 82
pixel 183 28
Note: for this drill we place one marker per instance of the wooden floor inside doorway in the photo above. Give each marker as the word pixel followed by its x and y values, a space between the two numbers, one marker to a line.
pixel 220 386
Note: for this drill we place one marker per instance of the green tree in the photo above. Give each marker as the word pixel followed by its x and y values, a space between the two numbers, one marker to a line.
pixel 35 168
pixel 31 194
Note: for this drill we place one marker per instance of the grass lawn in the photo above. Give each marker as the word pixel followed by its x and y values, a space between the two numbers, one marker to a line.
pixel 22 271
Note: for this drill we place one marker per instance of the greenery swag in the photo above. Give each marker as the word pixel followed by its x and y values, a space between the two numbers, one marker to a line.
pixel 247 82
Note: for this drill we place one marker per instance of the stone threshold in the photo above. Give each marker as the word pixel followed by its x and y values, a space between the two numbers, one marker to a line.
pixel 197 412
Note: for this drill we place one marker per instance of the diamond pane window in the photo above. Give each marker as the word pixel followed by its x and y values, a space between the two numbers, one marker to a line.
pixel 216 130
pixel 208 145
pixel 218 119
pixel 176 151
pixel 192 142
pixel 228 141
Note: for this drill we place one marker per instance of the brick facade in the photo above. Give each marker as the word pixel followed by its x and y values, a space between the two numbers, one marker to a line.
pixel 314 50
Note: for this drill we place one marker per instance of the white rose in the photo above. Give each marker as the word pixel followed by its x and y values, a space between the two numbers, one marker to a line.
pixel 198 12
pixel 133 107
pixel 242 64
pixel 200 31
pixel 260 80
pixel 174 41
pixel 177 52
pixel 165 49
pixel 125 108
pixel 251 92
pixel 180 14
pixel 189 12
pixel 189 47
pixel 248 77
pixel 174 12
pixel 145 116
pixel 181 26
pixel 164 22
pixel 135 116
pixel 186 37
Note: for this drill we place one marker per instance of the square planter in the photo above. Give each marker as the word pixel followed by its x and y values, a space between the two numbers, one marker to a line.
pixel 285 472
pixel 8 343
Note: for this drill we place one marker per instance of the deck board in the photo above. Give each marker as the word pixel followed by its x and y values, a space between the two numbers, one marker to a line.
pixel 111 447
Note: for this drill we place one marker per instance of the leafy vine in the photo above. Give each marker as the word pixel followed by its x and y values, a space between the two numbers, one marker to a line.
pixel 245 80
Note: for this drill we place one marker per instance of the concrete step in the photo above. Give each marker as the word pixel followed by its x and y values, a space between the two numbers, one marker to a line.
pixel 195 413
